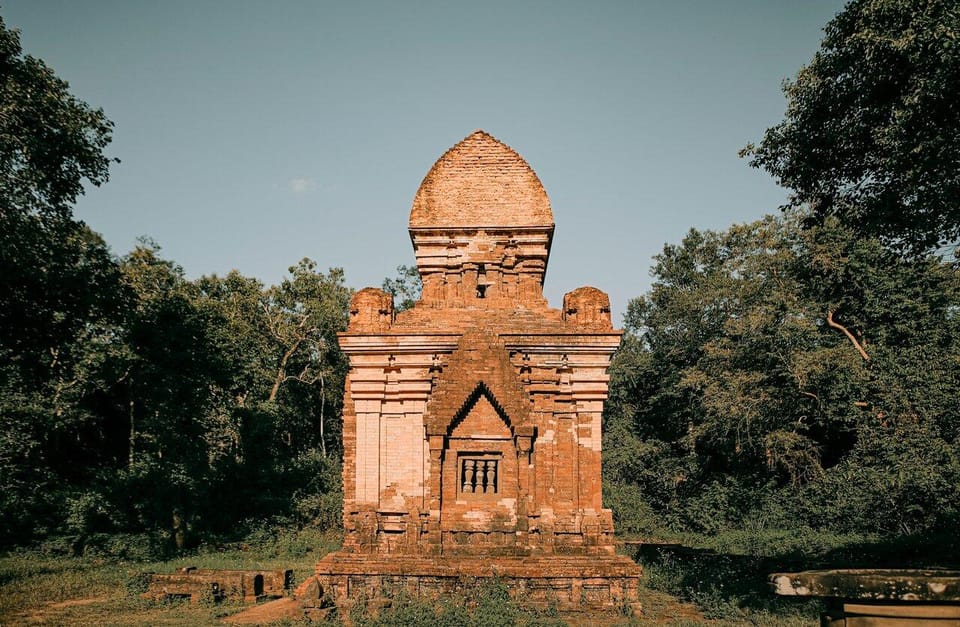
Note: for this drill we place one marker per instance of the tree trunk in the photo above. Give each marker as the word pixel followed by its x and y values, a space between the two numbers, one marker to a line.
pixel 282 371
pixel 323 399
pixel 133 437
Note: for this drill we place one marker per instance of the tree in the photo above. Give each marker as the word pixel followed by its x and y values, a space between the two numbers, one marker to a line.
pixel 303 315
pixel 772 368
pixel 229 390
pixel 872 130
pixel 405 287
pixel 61 299
pixel 56 274
pixel 132 398
pixel 50 142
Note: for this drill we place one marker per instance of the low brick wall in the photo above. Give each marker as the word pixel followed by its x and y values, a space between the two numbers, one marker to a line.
pixel 576 583
pixel 216 585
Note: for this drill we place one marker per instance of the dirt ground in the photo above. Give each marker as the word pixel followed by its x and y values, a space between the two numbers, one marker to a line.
pixel 659 609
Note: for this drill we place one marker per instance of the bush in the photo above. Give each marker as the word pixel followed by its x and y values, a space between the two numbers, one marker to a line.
pixel 137 583
pixel 88 512
pixel 631 513
pixel 320 510
pixel 138 547
pixel 900 480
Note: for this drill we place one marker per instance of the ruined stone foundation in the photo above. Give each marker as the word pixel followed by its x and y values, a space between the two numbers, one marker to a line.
pixel 471 422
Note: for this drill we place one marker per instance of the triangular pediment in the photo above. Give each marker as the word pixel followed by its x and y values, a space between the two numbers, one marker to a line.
pixel 479 367
pixel 481 418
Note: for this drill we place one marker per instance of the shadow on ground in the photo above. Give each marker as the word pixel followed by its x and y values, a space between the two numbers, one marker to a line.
pixel 731 582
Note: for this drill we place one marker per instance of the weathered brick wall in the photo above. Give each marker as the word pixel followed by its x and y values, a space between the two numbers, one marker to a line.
pixel 481 376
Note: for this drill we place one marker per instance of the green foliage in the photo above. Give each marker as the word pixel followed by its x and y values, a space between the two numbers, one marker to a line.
pixel 253 375
pixel 725 574
pixel 50 142
pixel 494 606
pixel 59 303
pixel 404 610
pixel 137 584
pixel 104 584
pixel 632 513
pixel 405 288
pixel 779 376
pixel 872 132
pixel 131 398
pixel 168 404
pixel 897 479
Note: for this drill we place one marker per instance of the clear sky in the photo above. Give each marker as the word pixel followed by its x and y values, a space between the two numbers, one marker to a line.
pixel 253 134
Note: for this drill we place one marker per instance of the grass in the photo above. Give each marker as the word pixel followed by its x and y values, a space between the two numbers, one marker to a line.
pixel 39 588
pixel 689 580
pixel 725 575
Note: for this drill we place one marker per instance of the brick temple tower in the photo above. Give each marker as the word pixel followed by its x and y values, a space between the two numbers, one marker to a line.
pixel 471 422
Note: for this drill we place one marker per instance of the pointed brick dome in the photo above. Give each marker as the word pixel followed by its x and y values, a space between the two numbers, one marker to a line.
pixel 481 182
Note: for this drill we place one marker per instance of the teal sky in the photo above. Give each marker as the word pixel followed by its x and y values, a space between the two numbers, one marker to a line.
pixel 252 134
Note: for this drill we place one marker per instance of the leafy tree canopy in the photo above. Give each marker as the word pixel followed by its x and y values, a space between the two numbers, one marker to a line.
pixel 56 275
pixel 50 142
pixel 872 128
pixel 405 287
pixel 61 297
pixel 799 371
pixel 132 398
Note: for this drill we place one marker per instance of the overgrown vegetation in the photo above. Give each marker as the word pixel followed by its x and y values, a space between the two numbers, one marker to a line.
pixel 784 398
pixel 195 404
pixel 801 370
pixel 134 400
pixel 43 585
pixel 487 604
pixel 779 377
pixel 871 133
pixel 689 579
pixel 725 574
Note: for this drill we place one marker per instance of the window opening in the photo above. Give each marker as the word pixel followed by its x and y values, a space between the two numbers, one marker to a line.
pixel 481 281
pixel 479 475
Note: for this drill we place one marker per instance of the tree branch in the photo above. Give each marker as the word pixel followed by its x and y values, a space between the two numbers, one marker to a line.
pixel 853 340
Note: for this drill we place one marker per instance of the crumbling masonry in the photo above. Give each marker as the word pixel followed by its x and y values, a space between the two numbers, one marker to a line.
pixel 471 423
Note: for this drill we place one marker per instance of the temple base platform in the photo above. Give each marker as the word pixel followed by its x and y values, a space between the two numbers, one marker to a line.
pixel 568 583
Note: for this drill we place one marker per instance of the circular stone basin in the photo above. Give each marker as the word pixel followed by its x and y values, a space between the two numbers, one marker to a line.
pixel 931 586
